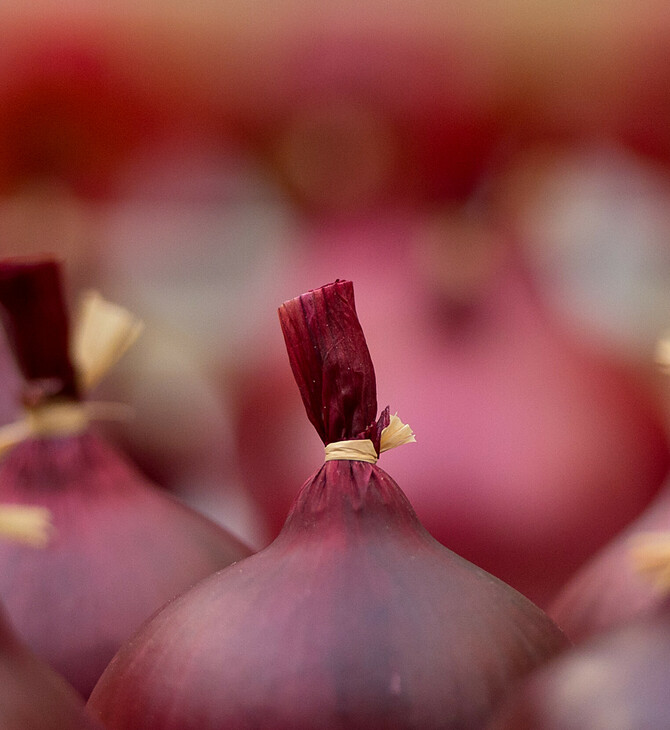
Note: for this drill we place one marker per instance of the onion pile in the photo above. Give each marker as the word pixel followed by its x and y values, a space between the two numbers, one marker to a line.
pixel 354 617
pixel 121 547
pixel 32 695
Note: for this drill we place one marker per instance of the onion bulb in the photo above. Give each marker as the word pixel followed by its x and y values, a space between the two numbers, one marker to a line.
pixel 609 590
pixel 618 679
pixel 121 547
pixel 32 695
pixel 354 616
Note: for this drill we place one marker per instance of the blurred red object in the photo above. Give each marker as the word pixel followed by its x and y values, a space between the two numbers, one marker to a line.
pixel 67 115
pixel 594 219
pixel 350 122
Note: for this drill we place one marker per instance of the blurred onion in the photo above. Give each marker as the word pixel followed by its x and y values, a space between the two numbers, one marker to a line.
pixel 617 680
pixel 122 548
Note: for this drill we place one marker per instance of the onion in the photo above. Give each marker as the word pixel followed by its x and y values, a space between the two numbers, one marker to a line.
pixel 609 590
pixel 549 446
pixel 354 617
pixel 121 547
pixel 341 137
pixel 618 679
pixel 70 115
pixel 9 385
pixel 32 695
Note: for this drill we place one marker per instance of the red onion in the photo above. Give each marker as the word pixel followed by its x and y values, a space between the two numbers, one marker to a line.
pixel 69 114
pixel 339 93
pixel 121 547
pixel 549 446
pixel 354 617
pixel 616 680
pixel 32 695
pixel 9 385
pixel 609 590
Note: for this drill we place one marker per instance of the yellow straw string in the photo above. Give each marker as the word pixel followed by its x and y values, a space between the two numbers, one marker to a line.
pixel 650 553
pixel 395 434
pixel 27 524
pixel 103 333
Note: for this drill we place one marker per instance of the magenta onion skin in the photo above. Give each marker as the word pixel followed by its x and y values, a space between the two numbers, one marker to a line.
pixel 620 679
pixel 32 695
pixel 609 591
pixel 354 617
pixel 121 549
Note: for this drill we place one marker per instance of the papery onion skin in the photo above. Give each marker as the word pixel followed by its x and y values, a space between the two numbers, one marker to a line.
pixel 37 325
pixel 354 617
pixel 32 695
pixel 619 680
pixel 121 549
pixel 10 386
pixel 609 591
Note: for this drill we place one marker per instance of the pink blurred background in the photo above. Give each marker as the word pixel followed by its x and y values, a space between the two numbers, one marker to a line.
pixel 494 179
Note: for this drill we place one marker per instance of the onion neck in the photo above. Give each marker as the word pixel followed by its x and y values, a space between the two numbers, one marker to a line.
pixel 331 362
pixel 351 496
pixel 34 312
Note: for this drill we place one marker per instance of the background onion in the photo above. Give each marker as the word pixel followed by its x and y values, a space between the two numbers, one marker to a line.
pixel 122 547
pixel 609 590
pixel 616 680
pixel 32 695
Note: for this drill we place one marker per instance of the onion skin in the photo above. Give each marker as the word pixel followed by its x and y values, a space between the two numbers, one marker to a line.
pixel 32 695
pixel 122 547
pixel 36 323
pixel 10 386
pixel 354 617
pixel 609 591
pixel 617 680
